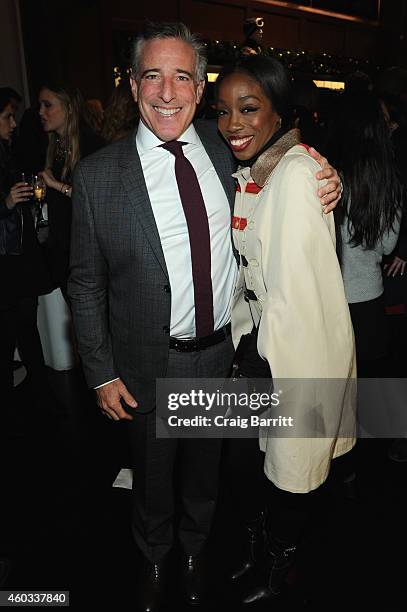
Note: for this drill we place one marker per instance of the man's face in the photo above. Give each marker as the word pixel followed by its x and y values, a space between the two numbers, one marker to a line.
pixel 166 91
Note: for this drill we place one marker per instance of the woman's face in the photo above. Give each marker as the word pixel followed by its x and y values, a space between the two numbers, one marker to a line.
pixel 52 112
pixel 392 125
pixel 246 118
pixel 7 122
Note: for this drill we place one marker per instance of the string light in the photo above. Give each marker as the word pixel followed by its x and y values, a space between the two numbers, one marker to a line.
pixel 320 64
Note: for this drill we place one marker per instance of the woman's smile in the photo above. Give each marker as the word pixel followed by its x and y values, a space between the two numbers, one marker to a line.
pixel 246 118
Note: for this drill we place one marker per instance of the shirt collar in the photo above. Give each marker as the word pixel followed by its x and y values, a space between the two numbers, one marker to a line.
pixel 147 141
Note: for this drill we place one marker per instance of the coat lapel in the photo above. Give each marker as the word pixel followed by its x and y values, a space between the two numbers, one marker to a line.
pixel 134 185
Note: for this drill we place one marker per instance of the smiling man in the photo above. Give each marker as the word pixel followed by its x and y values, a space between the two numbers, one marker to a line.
pixel 166 87
pixel 151 286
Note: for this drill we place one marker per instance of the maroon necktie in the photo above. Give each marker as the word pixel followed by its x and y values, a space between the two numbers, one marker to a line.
pixel 199 238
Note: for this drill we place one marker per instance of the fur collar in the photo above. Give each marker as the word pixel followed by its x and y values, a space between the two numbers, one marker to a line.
pixel 264 166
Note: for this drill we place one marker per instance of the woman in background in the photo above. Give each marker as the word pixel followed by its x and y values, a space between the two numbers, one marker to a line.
pixel 70 139
pixel 22 270
pixel 368 219
pixel 121 114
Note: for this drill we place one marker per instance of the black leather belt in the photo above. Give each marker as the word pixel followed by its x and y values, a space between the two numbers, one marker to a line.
pixel 199 344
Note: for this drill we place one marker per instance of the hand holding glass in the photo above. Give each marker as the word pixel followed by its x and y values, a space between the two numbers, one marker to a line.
pixel 39 188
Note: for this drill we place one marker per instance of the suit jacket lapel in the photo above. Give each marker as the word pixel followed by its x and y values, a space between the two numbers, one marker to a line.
pixel 221 160
pixel 224 165
pixel 133 182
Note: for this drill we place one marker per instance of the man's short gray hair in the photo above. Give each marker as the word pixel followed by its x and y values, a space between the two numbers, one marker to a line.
pixel 177 30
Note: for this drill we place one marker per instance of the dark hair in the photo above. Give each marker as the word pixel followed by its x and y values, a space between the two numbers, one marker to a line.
pixel 160 31
pixel 4 98
pixel 395 108
pixel 11 93
pixel 360 147
pixel 270 74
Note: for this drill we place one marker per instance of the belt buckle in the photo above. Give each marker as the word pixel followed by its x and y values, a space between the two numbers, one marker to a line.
pixel 186 346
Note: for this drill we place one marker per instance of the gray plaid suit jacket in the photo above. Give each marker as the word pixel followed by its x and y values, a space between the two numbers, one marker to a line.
pixel 119 285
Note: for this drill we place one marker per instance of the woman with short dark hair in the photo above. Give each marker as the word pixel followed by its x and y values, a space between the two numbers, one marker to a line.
pixel 290 318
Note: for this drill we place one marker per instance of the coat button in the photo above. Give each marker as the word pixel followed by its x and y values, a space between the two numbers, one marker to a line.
pixel 254 263
pixel 166 329
pixel 167 289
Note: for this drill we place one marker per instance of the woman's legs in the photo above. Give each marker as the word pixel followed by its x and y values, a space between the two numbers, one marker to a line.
pixel 287 517
pixel 8 334
pixel 28 338
pixel 246 477
pixel 247 484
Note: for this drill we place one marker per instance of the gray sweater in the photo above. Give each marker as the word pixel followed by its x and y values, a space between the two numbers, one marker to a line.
pixel 362 274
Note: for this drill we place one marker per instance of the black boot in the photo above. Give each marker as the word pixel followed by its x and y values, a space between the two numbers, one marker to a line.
pixel 279 561
pixel 254 548
pixel 193 583
pixel 151 586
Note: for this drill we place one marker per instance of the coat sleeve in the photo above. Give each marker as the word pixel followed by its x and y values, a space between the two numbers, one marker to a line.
pixel 305 329
pixel 88 290
pixel 4 210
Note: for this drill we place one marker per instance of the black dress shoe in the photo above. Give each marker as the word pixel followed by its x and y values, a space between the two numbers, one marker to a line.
pixel 192 580
pixel 151 586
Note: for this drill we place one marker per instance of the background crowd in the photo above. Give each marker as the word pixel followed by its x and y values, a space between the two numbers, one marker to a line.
pixel 363 133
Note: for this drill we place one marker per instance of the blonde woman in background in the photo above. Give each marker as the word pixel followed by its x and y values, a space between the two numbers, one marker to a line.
pixel 70 139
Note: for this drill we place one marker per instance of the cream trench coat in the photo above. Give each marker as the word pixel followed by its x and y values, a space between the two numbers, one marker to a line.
pixel 305 331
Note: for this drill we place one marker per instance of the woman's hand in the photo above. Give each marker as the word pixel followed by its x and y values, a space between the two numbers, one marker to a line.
pixel 20 192
pixel 49 179
pixel 331 193
pixel 397 266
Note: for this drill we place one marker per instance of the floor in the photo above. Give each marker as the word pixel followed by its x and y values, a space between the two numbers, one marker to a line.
pixel 66 528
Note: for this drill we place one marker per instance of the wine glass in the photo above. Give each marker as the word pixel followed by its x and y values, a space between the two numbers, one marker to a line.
pixel 39 188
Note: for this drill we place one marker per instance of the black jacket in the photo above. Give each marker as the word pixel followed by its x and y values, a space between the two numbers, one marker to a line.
pixel 22 268
pixel 60 213
pixel 11 221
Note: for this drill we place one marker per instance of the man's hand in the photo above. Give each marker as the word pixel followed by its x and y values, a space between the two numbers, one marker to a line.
pixel 20 192
pixel 331 193
pixel 397 266
pixel 108 399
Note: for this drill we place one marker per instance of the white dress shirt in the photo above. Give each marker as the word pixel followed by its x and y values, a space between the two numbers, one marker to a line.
pixel 159 173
